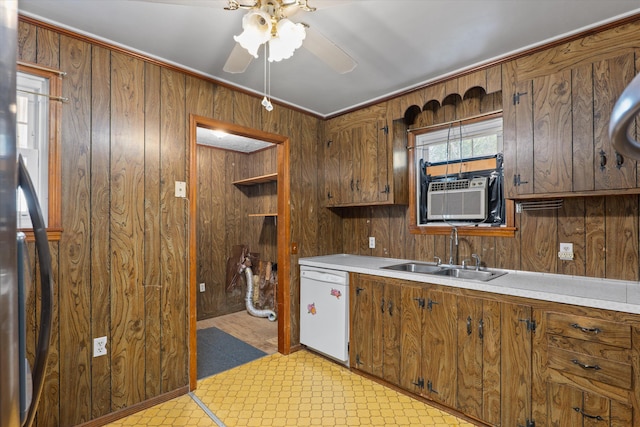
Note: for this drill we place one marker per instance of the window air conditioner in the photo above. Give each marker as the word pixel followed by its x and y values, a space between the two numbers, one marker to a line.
pixel 462 199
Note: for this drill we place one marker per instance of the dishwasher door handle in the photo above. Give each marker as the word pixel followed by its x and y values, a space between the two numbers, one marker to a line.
pixel 322 276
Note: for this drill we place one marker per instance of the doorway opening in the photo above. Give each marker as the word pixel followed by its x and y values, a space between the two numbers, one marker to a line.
pixel 271 220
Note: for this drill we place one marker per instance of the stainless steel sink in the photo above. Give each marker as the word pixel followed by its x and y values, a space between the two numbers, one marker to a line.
pixel 463 273
pixel 415 267
pixel 457 272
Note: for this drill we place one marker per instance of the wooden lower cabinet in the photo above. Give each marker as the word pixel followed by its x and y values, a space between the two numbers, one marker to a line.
pixel 517 329
pixel 478 350
pixel 589 374
pixel 571 406
pixel 500 360
pixel 454 348
pixel 428 343
pixel 374 345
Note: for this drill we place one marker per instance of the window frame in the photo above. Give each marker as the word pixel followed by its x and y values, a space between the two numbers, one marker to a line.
pixel 54 217
pixel 507 230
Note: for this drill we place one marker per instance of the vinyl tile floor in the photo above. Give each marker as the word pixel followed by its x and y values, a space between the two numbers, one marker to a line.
pixel 301 389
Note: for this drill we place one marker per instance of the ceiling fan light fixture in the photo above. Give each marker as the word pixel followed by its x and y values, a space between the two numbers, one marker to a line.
pixel 288 38
pixel 257 31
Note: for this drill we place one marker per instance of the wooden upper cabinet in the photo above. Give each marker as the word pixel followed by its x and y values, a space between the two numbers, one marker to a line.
pixel 557 141
pixel 364 164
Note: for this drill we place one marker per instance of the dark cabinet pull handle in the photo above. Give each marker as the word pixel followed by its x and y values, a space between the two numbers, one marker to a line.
pixel 619 160
pixel 584 414
pixel 603 159
pixel 390 308
pixel 586 330
pixel 351 184
pixel 469 325
pixel 358 185
pixel 481 329
pixel 382 306
pixel 584 366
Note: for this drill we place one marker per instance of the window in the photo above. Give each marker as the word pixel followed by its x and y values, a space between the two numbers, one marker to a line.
pixel 456 143
pixel 37 129
pixel 32 139
pixel 457 177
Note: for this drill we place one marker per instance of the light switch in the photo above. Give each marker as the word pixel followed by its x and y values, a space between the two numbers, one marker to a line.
pixel 181 189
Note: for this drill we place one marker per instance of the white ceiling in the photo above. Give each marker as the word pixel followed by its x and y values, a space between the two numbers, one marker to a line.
pixel 398 44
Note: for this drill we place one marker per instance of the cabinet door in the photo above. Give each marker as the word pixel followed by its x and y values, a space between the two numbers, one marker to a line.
pixel 518 167
pixel 470 365
pixel 369 156
pixel 439 347
pixel 570 406
pixel 332 169
pixel 552 167
pixel 543 136
pixel 411 338
pixel 346 180
pixel 361 338
pixel 391 313
pixel 516 372
pixel 610 77
pixel 478 378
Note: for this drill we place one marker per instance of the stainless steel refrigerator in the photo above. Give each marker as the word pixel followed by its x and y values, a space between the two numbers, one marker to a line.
pixel 20 386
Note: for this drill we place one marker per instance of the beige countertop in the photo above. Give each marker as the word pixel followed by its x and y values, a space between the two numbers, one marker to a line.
pixel 619 295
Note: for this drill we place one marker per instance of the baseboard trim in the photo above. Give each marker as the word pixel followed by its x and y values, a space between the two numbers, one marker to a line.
pixel 130 410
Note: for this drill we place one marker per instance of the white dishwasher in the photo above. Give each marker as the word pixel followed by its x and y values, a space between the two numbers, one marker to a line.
pixel 324 311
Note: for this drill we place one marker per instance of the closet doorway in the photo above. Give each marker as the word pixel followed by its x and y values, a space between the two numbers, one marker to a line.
pixel 233 168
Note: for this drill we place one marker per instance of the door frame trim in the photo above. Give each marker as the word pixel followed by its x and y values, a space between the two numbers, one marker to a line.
pixel 283 233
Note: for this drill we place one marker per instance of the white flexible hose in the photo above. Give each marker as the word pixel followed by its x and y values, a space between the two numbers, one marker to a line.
pixel 270 314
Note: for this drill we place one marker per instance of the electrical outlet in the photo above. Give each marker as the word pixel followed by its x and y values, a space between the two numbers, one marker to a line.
pixel 566 252
pixel 372 242
pixel 202 287
pixel 181 189
pixel 99 346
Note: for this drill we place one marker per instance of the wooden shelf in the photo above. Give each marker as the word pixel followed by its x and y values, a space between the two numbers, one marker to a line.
pixel 257 179
pixel 263 214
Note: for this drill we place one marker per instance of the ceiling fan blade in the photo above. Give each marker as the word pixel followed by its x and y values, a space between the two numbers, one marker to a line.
pixel 238 60
pixel 328 52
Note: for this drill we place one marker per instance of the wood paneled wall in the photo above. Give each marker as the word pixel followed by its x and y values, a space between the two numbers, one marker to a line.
pixel 121 265
pixel 218 198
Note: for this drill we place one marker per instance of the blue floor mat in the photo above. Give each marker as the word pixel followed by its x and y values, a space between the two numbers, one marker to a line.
pixel 219 351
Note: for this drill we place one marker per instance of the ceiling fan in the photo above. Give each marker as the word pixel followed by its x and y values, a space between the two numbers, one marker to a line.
pixel 268 22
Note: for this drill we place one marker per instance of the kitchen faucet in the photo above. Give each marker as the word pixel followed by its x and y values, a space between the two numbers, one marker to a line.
pixel 476 257
pixel 453 237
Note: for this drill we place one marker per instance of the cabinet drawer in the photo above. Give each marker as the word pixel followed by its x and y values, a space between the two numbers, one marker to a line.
pixel 595 368
pixel 590 329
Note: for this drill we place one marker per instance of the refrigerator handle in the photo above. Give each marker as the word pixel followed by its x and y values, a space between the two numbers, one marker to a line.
pixel 46 284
